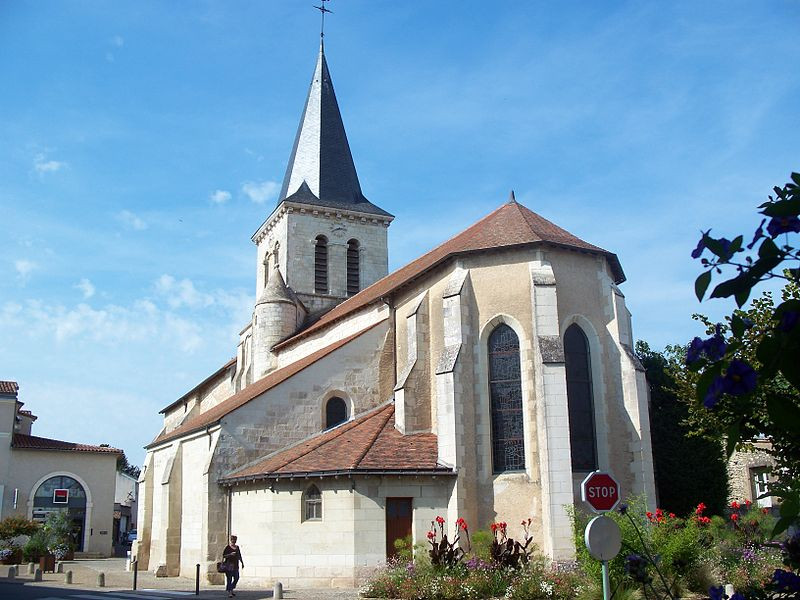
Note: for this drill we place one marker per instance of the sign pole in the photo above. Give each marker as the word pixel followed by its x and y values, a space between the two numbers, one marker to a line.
pixel 606 581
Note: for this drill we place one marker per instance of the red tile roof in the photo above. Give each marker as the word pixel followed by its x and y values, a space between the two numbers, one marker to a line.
pixel 368 444
pixel 510 225
pixel 32 442
pixel 224 367
pixel 213 415
pixel 28 414
pixel 8 387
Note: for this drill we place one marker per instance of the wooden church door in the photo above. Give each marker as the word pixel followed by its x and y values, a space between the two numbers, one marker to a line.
pixel 398 522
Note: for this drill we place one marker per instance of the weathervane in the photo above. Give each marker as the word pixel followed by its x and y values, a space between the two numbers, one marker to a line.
pixel 323 10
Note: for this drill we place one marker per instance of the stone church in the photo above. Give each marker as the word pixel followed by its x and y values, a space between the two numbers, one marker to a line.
pixel 482 380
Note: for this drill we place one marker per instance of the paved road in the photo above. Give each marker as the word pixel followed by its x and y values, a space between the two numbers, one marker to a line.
pixel 21 591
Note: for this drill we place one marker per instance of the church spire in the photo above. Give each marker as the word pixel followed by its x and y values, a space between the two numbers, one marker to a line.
pixel 321 170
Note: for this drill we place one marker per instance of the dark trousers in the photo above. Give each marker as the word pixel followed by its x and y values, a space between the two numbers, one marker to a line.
pixel 231 579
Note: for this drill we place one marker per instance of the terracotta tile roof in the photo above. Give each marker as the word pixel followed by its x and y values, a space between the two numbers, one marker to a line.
pixel 510 225
pixel 244 396
pixel 28 414
pixel 368 444
pixel 8 387
pixel 31 442
pixel 227 365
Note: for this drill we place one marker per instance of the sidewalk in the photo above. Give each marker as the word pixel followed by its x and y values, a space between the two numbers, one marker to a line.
pixel 85 571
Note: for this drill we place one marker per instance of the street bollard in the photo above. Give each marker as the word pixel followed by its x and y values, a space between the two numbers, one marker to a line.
pixel 31 568
pixel 277 592
pixel 101 579
pixel 197 580
pixel 68 577
pixel 37 574
pixel 59 567
pixel 12 572
pixel 135 565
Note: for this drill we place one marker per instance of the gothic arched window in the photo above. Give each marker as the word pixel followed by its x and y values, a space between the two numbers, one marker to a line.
pixel 579 400
pixel 266 270
pixel 505 389
pixel 312 504
pixel 353 277
pixel 335 412
pixel 321 265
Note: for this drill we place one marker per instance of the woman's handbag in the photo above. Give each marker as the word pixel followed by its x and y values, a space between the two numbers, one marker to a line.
pixel 222 567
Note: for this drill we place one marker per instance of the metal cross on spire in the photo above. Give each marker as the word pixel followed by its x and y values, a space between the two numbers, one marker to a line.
pixel 322 11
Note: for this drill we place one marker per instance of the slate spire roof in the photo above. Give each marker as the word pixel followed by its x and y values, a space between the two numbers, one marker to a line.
pixel 321 170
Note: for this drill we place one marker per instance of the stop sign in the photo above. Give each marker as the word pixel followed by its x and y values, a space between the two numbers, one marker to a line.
pixel 600 491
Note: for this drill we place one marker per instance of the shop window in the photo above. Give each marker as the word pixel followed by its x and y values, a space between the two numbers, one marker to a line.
pixel 505 389
pixel 321 265
pixel 335 412
pixel 353 275
pixel 312 504
pixel 579 399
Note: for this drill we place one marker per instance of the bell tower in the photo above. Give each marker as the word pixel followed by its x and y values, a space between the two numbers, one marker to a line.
pixel 326 239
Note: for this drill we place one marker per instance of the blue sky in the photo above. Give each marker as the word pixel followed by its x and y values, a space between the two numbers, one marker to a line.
pixel 142 143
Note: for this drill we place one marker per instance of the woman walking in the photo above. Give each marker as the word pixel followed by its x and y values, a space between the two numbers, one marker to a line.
pixel 232 556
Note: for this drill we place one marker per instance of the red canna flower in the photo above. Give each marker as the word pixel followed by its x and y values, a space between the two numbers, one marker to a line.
pixel 431 535
pixel 461 524
pixel 493 527
pixel 671 515
pixel 700 508
pixel 440 520
pixel 735 505
pixel 734 517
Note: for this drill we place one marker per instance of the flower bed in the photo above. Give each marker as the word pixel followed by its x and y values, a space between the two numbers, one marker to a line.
pixel 663 556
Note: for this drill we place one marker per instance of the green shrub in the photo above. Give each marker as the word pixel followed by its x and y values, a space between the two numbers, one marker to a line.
pixel 36 547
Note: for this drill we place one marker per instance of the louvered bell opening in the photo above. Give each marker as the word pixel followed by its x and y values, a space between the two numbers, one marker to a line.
pixel 321 265
pixel 353 279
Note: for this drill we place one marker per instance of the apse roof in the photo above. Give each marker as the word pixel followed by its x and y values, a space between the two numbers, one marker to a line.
pixel 510 225
pixel 369 444
pixel 321 171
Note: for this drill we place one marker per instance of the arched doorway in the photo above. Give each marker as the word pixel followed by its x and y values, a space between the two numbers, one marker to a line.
pixel 62 493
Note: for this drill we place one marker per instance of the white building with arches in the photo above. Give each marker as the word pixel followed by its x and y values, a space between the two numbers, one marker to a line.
pixel 42 475
pixel 483 380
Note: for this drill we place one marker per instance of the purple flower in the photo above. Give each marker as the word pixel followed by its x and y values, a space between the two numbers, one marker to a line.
pixel 786 581
pixel 758 235
pixel 716 593
pixel 737 596
pixel 715 347
pixel 701 245
pixel 623 508
pixel 789 319
pixel 779 225
pixel 740 378
pixel 714 391
pixel 695 351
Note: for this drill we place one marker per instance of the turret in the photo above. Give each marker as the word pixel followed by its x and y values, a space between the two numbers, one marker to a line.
pixel 276 316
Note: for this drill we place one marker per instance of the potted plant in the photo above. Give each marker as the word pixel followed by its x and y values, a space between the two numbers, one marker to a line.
pixel 59 529
pixel 14 532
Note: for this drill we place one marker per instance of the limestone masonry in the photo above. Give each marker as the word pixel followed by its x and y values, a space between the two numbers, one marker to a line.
pixel 483 380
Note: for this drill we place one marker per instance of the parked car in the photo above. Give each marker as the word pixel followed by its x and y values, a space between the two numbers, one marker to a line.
pixel 130 536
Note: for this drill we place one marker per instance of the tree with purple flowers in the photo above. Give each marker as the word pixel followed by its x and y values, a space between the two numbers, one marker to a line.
pixel 747 371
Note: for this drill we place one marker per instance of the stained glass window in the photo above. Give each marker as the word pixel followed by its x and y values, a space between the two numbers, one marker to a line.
pixel 312 501
pixel 505 389
pixel 580 400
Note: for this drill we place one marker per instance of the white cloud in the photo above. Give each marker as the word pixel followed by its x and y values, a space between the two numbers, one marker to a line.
pixel 118 41
pixel 260 192
pixel 182 293
pixel 220 196
pixel 109 57
pixel 41 165
pixel 86 288
pixel 131 220
pixel 24 268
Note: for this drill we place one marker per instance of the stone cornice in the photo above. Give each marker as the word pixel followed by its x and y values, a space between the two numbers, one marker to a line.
pixel 324 211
